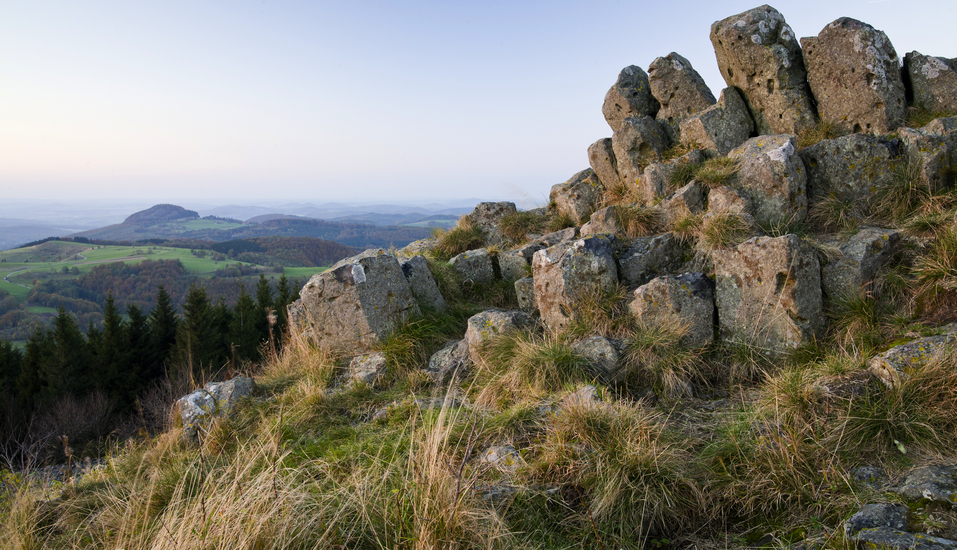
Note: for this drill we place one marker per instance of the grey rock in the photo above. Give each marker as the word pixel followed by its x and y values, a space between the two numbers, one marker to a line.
pixel 900 362
pixel 655 181
pixel 426 292
pixel 579 196
pixel 367 369
pixel 679 89
pixel 601 158
pixel 603 356
pixel 638 142
pixel 585 396
pixel 724 199
pixel 934 483
pixel 854 73
pixel 758 53
pixel 356 304
pixel 487 216
pixel 567 272
pixel 450 363
pixel 604 220
pixel 721 127
pixel 768 293
pixel 931 81
pixel 416 248
pixel 215 399
pixel 516 264
pixel 895 539
pixel 630 96
pixel 504 458
pixel 560 236
pixel 648 257
pixel 851 167
pixel 860 258
pixel 772 175
pixel 893 516
pixel 474 266
pixel 688 200
pixel 492 323
pixel 931 154
pixel 870 476
pixel 525 292
pixel 684 300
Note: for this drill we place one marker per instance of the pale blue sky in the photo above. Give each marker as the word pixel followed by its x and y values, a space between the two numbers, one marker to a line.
pixel 361 100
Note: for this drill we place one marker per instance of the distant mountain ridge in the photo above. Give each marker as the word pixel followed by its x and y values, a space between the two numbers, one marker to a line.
pixel 161 212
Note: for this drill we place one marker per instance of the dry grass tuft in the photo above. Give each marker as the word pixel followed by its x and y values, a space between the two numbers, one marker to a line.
pixel 463 237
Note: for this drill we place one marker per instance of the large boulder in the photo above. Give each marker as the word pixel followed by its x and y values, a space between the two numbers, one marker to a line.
pixel 931 154
pixel 684 300
pixel 601 158
pixel 474 266
pixel 768 293
pixel 648 257
pixel 638 142
pixel 568 272
pixel 931 82
pixel 579 196
pixel 773 177
pixel 758 53
pixel 851 167
pixel 679 89
pixel 492 323
pixel 487 216
pixel 854 73
pixel 426 292
pixel 356 304
pixel 721 127
pixel 629 96
pixel 860 258
pixel 214 399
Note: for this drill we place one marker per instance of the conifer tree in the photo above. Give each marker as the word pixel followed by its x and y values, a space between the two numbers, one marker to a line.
pixel 245 334
pixel 163 325
pixel 283 299
pixel 142 367
pixel 111 354
pixel 66 370
pixel 198 339
pixel 265 306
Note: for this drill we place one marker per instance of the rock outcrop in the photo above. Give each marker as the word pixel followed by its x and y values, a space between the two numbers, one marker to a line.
pixel 680 91
pixel 931 82
pixel 721 127
pixel 680 301
pixel 638 142
pixel 629 96
pixel 772 175
pixel 579 196
pixel 568 272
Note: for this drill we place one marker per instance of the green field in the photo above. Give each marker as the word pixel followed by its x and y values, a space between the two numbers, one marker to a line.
pixel 296 272
pixel 196 225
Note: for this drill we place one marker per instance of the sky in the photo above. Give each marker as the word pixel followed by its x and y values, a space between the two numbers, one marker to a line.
pixel 358 100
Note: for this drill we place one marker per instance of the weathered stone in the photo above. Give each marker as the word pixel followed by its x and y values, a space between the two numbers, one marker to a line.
pixel 772 175
pixel 560 236
pixel 426 292
pixel 490 324
pixel 871 516
pixel 648 257
pixel 758 53
pixel 724 199
pixel 503 458
pixel 721 127
pixel 603 357
pixel 655 181
pixel 450 362
pixel 873 477
pixel 585 396
pixel 487 216
pixel 851 167
pixel 416 248
pixel 934 483
pixel 367 369
pixel 630 96
pixel 931 82
pixel 215 399
pixel 356 304
pixel 604 220
pixel 638 142
pixel 517 263
pixel 886 538
pixel 525 293
pixel 690 199
pixel 601 158
pixel 685 300
pixel 900 362
pixel 679 89
pixel 861 256
pixel 474 266
pixel 931 155
pixel 768 293
pixel 567 272
pixel 578 197
pixel 855 76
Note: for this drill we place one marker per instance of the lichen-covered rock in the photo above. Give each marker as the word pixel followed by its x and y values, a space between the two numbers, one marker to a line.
pixel 474 266
pixel 638 142
pixel 870 516
pixel 931 154
pixel 758 53
pixel 721 127
pixel 214 399
pixel 504 458
pixel 772 175
pixel 525 294
pixel 854 73
pixel 768 293
pixel 579 196
pixel 648 257
pixel 603 356
pixel 934 483
pixel 487 216
pixel 679 89
pixel 860 258
pixel 492 323
pixel 560 236
pixel 690 199
pixel 900 362
pixel 584 397
pixel 568 272
pixel 685 299
pixel 655 181
pixel 356 304
pixel 604 220
pixel 629 96
pixel 426 292
pixel 416 248
pixel 851 167
pixel 516 264
pixel 601 158
pixel 367 369
pixel 931 82
pixel 450 362
pixel 887 538
pixel 724 199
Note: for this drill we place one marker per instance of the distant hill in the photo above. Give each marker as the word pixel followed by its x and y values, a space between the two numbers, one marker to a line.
pixel 161 213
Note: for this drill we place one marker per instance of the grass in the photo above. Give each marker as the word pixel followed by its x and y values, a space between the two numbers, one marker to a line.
pixel 461 238
pixel 895 202
pixel 723 230
pixel 638 221
pixel 712 172
pixel 918 117
pixel 811 135
pixel 835 213
pixel 517 225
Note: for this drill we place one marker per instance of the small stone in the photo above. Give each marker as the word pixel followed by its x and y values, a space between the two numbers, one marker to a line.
pixel 893 516
pixel 450 363
pixel 367 369
pixel 900 362
pixel 935 483
pixel 684 300
pixel 603 356
pixel 503 458
pixel 492 323
pixel 648 257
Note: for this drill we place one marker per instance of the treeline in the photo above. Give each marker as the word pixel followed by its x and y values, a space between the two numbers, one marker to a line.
pixel 287 251
pixel 108 369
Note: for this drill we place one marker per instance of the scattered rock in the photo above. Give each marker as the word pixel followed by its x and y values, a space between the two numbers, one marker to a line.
pixel 772 175
pixel 934 483
pixel 601 158
pixel 854 73
pixel 898 363
pixel 685 300
pixel 416 248
pixel 517 263
pixel 648 257
pixel 860 258
pixel 585 396
pixel 367 369
pixel 426 292
pixel 630 96
pixel 214 399
pixel 870 476
pixel 450 363
pixel 893 516
pixel 851 167
pixel 721 127
pixel 503 458
pixel 758 53
pixel 679 89
pixel 578 197
pixel 931 82
pixel 490 324
pixel 638 142
pixel 602 221
pixel 474 266
pixel 525 292
pixel 487 216
pixel 894 539
pixel 560 236
pixel 603 355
